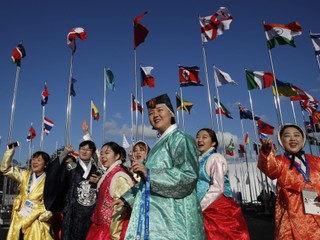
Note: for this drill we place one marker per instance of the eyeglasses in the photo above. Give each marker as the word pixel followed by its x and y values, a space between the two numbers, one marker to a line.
pixel 85 149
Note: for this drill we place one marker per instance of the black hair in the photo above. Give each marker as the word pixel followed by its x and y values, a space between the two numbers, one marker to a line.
pixel 116 148
pixel 123 154
pixel 90 143
pixel 69 156
pixel 44 155
pixel 212 135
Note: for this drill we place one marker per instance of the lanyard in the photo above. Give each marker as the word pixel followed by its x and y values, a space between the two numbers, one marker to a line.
pixel 304 174
pixel 29 184
pixel 144 209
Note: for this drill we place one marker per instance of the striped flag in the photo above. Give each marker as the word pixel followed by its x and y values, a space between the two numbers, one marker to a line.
pixel 94 111
pixel 47 125
pixel 258 79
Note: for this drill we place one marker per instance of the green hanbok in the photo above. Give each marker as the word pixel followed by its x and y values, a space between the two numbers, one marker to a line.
pixel 175 212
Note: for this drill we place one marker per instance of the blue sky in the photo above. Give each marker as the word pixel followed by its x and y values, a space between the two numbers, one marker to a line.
pixel 174 38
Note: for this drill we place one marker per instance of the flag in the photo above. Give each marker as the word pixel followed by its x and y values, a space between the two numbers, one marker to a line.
pixel 72 91
pixel 221 109
pixel 263 136
pixel 109 79
pixel 315 39
pixel 265 128
pixel 185 104
pixel 140 31
pixel 189 76
pixel 275 148
pixel 246 114
pixel 136 104
pixel 241 151
pixel 258 79
pixel 146 78
pixel 284 89
pixel 255 147
pixel 309 127
pixel 277 34
pixel 214 25
pixel 17 54
pixel 230 148
pixel 301 94
pixel 125 143
pixel 94 111
pixel 32 134
pixel 48 124
pixel 71 37
pixel 247 139
pixel 75 154
pixel 313 141
pixel 315 117
pixel 222 78
pixel 44 95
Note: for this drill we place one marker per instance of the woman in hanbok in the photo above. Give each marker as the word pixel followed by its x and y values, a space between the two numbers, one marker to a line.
pixel 108 223
pixel 222 216
pixel 164 203
pixel 297 208
pixel 139 153
pixel 30 219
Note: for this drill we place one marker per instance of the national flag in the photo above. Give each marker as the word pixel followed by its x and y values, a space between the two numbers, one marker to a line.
pixel 32 134
pixel 301 94
pixel 44 95
pixel 310 105
pixel 247 139
pixel 75 154
pixel 189 76
pixel 136 105
pixel 241 151
pixel 109 79
pixel 263 136
pixel 185 104
pixel 47 125
pixel 214 25
pixel 265 128
pixel 230 148
pixel 94 111
pixel 222 78
pixel 258 79
pixel 284 89
pixel 315 117
pixel 277 34
pixel 146 78
pixel 72 91
pixel 71 37
pixel 315 39
pixel 125 143
pixel 275 148
pixel 308 126
pixel 18 53
pixel 140 31
pixel 255 147
pixel 221 109
pixel 246 114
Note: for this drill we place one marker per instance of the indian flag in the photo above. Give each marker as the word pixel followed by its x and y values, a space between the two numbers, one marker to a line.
pixel 259 79
pixel 277 34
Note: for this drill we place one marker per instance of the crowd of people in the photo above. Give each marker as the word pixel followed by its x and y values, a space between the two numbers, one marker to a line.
pixel 178 189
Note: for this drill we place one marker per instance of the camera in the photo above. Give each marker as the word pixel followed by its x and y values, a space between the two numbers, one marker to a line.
pixel 14 144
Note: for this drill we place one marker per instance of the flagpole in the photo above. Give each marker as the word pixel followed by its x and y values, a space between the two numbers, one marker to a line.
pixel 13 104
pixel 247 165
pixel 207 80
pixel 316 55
pixel 182 112
pixel 104 103
pixel 177 112
pixel 142 114
pixel 256 134
pixel 277 102
pixel 293 112
pixel 68 117
pixel 136 90
pixel 131 102
pixel 42 127
pixel 314 136
pixel 91 117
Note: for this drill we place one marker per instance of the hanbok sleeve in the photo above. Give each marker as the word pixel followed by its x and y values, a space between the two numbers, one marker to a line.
pixel 269 165
pixel 179 179
pixel 14 173
pixel 120 183
pixel 216 169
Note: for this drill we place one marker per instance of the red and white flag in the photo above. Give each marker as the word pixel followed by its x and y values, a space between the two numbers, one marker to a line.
pixel 214 25
pixel 71 37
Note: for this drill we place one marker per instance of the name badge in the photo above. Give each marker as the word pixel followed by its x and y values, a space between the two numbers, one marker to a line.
pixel 26 208
pixel 311 202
